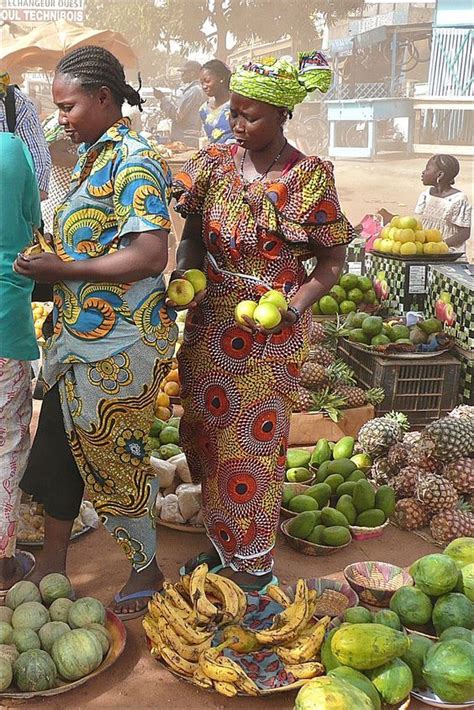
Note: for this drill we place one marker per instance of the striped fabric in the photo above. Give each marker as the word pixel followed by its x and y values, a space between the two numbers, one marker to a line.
pixel 28 128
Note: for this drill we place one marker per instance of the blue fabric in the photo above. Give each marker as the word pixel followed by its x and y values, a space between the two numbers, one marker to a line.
pixel 19 213
pixel 216 123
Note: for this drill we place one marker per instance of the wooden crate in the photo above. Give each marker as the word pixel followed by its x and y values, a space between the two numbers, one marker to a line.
pixel 424 389
pixel 306 429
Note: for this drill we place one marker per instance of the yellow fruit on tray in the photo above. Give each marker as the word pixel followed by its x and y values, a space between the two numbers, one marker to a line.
pixel 408 248
pixel 162 399
pixel 443 248
pixel 396 246
pixel 406 235
pixel 377 244
pixel 392 232
pixel 408 222
pixel 428 248
pixel 386 246
pixel 420 235
pixel 419 247
pixel 433 235
pixel 163 413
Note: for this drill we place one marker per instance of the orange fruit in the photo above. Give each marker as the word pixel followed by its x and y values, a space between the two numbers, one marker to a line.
pixel 162 399
pixel 173 376
pixel 172 389
pixel 163 413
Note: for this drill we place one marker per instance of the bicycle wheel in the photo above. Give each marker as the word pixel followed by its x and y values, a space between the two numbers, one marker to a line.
pixel 312 136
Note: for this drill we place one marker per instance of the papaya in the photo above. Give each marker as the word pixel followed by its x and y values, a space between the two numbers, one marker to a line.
pixel 334 480
pixel 366 646
pixel 358 615
pixel 412 606
pixel 461 550
pixel 415 658
pixel 328 659
pixel 302 525
pixel 363 496
pixel 316 535
pixel 335 535
pixel 344 448
pixel 325 693
pixel 346 488
pixel 457 632
pixel 371 518
pixel 448 670
pixel 342 466
pixel 321 453
pixel 453 609
pixel 322 472
pixel 393 680
pixel 388 618
pixel 435 574
pixel 385 500
pixel 331 516
pixel 360 681
pixel 345 506
pixel 321 492
pixel 356 476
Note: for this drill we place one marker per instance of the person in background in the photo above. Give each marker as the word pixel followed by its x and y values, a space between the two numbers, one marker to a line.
pixel 255 211
pixel 184 111
pixel 441 206
pixel 18 115
pixel 19 214
pixel 64 157
pixel 214 113
pixel 113 337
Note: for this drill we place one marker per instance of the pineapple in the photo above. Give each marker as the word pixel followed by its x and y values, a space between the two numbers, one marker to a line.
pixel 411 438
pixel 303 400
pixel 462 412
pixel 450 524
pixel 398 455
pixel 382 471
pixel 461 474
pixel 321 355
pixel 313 376
pixel 317 334
pixel 327 403
pixel 405 483
pixel 423 461
pixel 378 435
pixel 436 493
pixel 449 438
pixel 357 397
pixel 410 514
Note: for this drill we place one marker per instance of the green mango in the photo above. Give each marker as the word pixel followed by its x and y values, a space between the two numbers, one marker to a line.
pixel 322 472
pixel 296 458
pixel 321 453
pixel 320 492
pixel 298 475
pixel 344 448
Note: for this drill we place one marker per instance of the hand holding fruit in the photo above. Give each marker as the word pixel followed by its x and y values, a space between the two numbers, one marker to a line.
pixel 269 315
pixel 186 291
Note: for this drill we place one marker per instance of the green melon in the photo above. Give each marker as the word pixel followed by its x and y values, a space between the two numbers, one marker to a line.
pixel 50 632
pixel 457 632
pixel 387 617
pixel 102 635
pixel 8 652
pixel 34 670
pixel 461 550
pixel 393 680
pixel 358 615
pixel 59 609
pixel 6 614
pixel 415 658
pixel 76 654
pixel 6 674
pixel 328 659
pixel 55 586
pixel 86 611
pixel 21 592
pixel 6 632
pixel 412 606
pixel 30 615
pixel 453 610
pixel 26 640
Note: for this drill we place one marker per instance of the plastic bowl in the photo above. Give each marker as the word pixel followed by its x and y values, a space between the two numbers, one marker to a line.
pixel 376 582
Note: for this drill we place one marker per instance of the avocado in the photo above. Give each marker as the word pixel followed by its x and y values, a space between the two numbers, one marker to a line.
pixel 335 535
pixel 334 481
pixel 343 466
pixel 363 496
pixel 320 492
pixel 371 518
pixel 331 516
pixel 347 508
pixel 302 525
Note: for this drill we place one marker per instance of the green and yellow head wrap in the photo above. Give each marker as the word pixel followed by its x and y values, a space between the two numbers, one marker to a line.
pixel 281 83
pixel 4 81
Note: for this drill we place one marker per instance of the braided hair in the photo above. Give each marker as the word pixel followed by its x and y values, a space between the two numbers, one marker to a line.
pixel 219 69
pixel 95 67
pixel 448 164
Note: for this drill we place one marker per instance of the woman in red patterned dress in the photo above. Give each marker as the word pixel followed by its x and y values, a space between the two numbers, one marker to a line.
pixel 254 212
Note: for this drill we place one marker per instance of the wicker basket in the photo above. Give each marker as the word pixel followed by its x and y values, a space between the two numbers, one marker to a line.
pixel 299 489
pixel 359 533
pixel 376 582
pixel 309 548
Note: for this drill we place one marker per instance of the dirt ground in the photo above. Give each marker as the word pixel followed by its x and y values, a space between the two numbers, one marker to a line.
pixel 97 568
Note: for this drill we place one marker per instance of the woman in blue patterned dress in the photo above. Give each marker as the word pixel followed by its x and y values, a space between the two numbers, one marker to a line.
pixel 113 338
pixel 215 77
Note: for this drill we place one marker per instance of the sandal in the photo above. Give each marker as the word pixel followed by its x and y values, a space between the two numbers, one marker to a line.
pixel 261 583
pixel 212 560
pixel 28 563
pixel 142 594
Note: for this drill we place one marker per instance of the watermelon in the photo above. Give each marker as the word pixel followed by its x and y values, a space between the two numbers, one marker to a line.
pixel 55 586
pixel 30 615
pixel 34 670
pixel 76 654
pixel 102 635
pixel 8 653
pixel 457 632
pixel 6 632
pixel 50 632
pixel 435 574
pixel 466 581
pixel 21 592
pixel 453 610
pixel 86 611
pixel 6 614
pixel 6 674
pixel 59 609
pixel 393 680
pixel 26 640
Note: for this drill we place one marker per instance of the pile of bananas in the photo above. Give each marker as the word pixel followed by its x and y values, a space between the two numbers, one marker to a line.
pixel 181 624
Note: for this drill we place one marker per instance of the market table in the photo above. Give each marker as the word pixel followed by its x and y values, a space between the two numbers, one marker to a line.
pixel 97 568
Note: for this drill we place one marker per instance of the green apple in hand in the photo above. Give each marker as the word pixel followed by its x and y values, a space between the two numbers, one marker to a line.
pixel 267 315
pixel 181 292
pixel 244 309
pixel 197 278
pixel 276 298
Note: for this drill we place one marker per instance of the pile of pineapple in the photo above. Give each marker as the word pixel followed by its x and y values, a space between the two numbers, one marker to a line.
pixel 328 384
pixel 432 471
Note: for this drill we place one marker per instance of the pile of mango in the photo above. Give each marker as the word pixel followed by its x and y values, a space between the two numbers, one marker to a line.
pixel 40 310
pixel 169 387
pixel 405 236
pixel 297 466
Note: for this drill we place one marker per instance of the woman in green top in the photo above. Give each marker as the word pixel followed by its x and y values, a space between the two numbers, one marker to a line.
pixel 19 213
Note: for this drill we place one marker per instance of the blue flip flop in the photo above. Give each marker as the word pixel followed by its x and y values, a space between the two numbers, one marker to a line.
pixel 143 593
